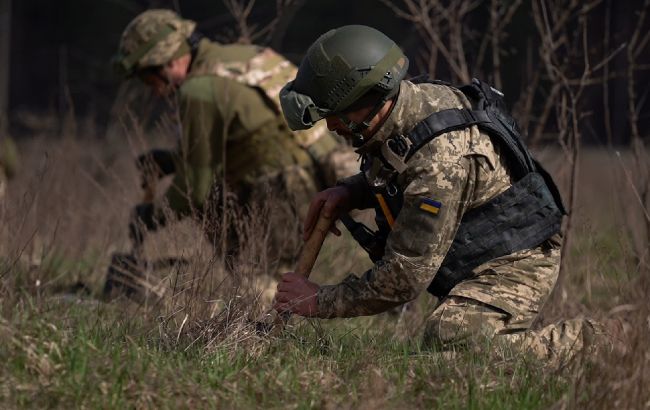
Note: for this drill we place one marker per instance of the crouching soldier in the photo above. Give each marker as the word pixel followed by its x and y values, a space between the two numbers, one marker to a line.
pixel 233 131
pixel 463 209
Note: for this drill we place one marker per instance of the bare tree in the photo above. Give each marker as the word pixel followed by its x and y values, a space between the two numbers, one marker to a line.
pixel 607 116
pixel 248 33
pixel 441 27
pixel 5 35
pixel 565 54
pixel 638 43
pixel 500 16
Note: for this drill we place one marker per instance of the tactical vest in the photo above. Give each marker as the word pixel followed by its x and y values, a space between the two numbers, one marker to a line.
pixel 522 217
pixel 267 71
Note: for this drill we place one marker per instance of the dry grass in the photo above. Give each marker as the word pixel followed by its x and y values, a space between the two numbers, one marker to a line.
pixel 66 214
pixel 608 277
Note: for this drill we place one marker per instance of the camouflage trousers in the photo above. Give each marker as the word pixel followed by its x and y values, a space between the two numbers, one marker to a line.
pixel 260 233
pixel 499 304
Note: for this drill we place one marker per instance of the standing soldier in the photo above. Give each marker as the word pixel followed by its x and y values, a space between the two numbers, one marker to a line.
pixel 232 127
pixel 463 209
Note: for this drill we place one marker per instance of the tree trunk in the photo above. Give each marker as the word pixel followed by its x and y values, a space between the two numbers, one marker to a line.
pixel 5 57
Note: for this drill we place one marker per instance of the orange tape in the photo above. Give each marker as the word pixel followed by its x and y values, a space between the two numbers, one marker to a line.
pixel 385 209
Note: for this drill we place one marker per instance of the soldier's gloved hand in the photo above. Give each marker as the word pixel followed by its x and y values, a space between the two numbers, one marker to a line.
pixel 333 202
pixel 144 215
pixel 136 234
pixel 156 163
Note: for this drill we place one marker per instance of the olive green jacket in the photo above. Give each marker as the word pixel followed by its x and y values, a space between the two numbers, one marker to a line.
pixel 230 132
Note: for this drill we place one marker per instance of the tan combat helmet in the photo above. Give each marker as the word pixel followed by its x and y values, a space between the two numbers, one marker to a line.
pixel 151 39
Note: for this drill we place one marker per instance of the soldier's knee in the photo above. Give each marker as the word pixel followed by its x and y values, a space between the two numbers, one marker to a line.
pixel 458 324
pixel 449 329
pixel 442 332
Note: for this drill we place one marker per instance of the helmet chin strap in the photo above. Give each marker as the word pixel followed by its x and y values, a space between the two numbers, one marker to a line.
pixel 357 129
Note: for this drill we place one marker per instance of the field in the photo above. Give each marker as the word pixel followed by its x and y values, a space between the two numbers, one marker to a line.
pixel 61 345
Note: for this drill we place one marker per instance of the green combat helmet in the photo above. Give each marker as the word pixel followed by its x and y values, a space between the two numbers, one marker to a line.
pixel 341 67
pixel 153 38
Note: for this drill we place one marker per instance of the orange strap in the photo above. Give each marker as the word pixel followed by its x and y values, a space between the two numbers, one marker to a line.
pixel 385 209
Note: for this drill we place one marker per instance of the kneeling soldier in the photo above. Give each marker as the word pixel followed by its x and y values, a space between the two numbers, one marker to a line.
pixel 232 128
pixel 463 209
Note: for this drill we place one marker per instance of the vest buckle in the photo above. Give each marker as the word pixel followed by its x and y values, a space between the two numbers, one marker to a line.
pixel 395 150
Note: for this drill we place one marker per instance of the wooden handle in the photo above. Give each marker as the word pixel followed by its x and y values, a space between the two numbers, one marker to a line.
pixel 312 246
pixel 306 261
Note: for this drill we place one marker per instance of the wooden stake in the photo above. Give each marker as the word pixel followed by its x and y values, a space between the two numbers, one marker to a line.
pixel 306 261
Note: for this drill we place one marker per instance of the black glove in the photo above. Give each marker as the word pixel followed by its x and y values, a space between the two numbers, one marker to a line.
pixel 143 215
pixel 157 162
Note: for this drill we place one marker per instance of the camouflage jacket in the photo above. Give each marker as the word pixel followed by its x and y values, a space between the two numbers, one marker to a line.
pixel 229 130
pixel 459 170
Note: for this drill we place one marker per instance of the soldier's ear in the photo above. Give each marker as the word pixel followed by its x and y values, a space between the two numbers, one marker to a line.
pixel 178 66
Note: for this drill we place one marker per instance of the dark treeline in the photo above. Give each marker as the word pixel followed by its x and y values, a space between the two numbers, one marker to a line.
pixel 60 51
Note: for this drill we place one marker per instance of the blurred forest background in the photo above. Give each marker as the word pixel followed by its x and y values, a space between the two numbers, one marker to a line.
pixel 58 53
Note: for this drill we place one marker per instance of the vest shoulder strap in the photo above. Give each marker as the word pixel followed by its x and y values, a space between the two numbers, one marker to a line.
pixel 490 115
pixel 441 122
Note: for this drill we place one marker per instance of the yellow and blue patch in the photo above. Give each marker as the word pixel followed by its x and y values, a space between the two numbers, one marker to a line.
pixel 430 206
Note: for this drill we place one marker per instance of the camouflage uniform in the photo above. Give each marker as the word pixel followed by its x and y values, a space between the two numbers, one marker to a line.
pixel 232 129
pixel 461 170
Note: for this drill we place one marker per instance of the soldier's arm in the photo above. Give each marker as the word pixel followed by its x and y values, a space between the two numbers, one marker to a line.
pixel 416 246
pixel 202 127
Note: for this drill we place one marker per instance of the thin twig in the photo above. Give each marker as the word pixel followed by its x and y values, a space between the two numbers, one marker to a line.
pixel 637 195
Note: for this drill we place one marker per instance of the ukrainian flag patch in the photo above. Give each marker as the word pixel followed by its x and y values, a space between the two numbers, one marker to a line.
pixel 430 206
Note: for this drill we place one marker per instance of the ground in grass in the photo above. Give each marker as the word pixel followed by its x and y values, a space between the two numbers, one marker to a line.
pixel 88 354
